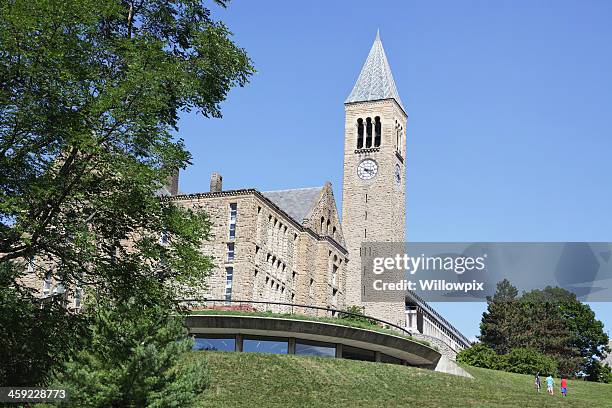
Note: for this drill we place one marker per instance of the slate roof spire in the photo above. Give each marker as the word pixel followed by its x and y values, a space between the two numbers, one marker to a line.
pixel 375 81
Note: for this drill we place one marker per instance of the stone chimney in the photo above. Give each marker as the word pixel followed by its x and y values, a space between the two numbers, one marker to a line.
pixel 216 183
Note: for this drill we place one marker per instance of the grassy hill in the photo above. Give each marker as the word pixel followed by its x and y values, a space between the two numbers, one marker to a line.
pixel 260 380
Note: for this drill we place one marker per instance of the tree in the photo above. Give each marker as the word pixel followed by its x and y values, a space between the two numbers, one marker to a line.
pixel 551 321
pixel 581 342
pixel 135 358
pixel 543 329
pixel 499 323
pixel 90 96
pixel 35 337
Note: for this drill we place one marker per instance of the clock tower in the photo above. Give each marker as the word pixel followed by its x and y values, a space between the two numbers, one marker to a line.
pixel 374 184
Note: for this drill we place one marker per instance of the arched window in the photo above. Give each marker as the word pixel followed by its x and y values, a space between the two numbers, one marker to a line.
pixel 359 133
pixel 322 225
pixel 368 133
pixel 377 131
pixel 327 227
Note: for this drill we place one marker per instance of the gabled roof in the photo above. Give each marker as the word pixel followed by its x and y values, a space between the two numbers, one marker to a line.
pixel 375 81
pixel 297 203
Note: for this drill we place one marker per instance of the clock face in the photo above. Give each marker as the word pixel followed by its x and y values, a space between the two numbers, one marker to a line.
pixel 398 174
pixel 367 169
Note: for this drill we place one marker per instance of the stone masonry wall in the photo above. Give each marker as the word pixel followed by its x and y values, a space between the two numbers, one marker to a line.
pixel 275 259
pixel 324 218
pixel 442 347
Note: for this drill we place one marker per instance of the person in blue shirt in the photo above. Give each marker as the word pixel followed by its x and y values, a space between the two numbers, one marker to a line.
pixel 550 384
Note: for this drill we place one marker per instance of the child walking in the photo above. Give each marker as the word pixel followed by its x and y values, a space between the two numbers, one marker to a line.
pixel 550 384
pixel 564 387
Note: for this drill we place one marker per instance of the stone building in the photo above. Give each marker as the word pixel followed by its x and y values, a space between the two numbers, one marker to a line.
pixel 290 246
pixel 279 246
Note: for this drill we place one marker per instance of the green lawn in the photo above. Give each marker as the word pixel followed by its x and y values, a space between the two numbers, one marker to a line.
pixel 260 380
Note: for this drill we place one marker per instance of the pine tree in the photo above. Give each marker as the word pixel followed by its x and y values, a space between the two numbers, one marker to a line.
pixel 136 358
pixel 499 323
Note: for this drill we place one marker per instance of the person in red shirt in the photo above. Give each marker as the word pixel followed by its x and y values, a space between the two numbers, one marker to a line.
pixel 564 387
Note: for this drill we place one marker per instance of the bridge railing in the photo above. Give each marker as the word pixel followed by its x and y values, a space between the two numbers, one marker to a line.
pixel 284 308
pixel 459 337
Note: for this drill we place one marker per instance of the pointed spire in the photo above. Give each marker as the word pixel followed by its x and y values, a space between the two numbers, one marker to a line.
pixel 375 81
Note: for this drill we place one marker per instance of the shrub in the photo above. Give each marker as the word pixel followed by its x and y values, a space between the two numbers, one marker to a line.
pixel 518 360
pixel 479 355
pixel 599 371
pixel 356 310
pixel 527 361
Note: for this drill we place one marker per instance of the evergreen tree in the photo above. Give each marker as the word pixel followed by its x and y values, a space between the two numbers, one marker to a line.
pixel 499 323
pixel 136 357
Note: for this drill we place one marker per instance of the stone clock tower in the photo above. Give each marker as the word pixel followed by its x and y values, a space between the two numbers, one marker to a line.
pixel 374 184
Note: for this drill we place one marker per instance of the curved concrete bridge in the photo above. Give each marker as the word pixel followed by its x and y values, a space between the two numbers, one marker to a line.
pixel 373 345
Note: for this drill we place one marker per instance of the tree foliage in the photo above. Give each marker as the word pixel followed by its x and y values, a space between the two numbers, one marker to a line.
pixel 479 355
pixel 135 358
pixel 90 96
pixel 35 336
pixel 499 324
pixel 518 360
pixel 551 321
pixel 356 314
pixel 598 371
pixel 526 360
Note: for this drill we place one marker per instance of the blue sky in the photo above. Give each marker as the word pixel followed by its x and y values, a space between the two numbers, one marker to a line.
pixel 509 104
